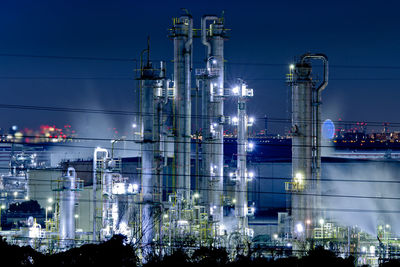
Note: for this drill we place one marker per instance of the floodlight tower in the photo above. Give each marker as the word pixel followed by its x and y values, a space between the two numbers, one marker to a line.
pixel 242 175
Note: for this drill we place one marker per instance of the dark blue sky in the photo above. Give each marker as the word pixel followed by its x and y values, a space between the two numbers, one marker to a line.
pixel 357 36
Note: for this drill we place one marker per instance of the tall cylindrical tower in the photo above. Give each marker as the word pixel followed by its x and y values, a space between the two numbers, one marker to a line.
pixel 148 81
pixel 213 36
pixel 306 145
pixel 67 207
pixel 182 34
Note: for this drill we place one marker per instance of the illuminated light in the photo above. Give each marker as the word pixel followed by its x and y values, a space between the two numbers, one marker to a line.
pixel 134 125
pixel 183 222
pixel 372 250
pixel 215 125
pixel 291 66
pixel 215 84
pixel 50 200
pixel 76 216
pixel 251 145
pixel 235 119
pixel 251 120
pixel 299 228
pixel 387 226
pixel 364 249
pixel 3 207
pixel 253 210
pixel 14 127
pixel 289 245
pixel 49 208
pixel 135 187
pixel 234 201
pixel 214 61
pixel 235 90
pixel 321 221
pixel 275 236
pixel 196 195
pixel 118 189
pixel 15 194
pixel 165 216
pixel 251 174
pixel 26 198
pixel 308 222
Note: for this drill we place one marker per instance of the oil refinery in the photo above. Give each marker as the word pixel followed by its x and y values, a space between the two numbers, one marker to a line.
pixel 190 184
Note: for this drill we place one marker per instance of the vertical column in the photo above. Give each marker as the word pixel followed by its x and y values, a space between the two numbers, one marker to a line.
pixel 182 33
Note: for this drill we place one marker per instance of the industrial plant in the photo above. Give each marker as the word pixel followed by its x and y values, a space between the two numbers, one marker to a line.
pixel 189 183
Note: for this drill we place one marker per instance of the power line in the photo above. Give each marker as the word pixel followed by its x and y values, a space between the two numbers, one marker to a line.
pixel 130 113
pixel 259 64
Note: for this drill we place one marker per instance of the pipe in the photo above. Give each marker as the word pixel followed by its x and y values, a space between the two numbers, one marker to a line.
pixel 204 32
pixel 324 58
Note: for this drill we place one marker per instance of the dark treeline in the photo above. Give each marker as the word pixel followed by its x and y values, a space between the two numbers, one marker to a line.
pixel 116 253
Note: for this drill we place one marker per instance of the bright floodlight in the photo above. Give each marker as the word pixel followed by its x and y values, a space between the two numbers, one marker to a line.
pixel 235 119
pixel 321 221
pixel 251 174
pixel 251 119
pixel 235 90
pixel 275 236
pixel 15 194
pixel 214 61
pixel 299 228
pixel 308 222
pixel 76 216
pixel 3 207
pixel 251 145
pixel 234 201
pixel 387 226
pixel 291 66
pixel 135 187
pixel 134 125
pixel 49 208
pixel 50 200
pixel 196 195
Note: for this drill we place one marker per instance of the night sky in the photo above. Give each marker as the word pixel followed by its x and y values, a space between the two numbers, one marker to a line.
pixel 361 39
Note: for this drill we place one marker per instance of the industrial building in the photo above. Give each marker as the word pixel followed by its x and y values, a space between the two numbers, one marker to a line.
pixel 190 185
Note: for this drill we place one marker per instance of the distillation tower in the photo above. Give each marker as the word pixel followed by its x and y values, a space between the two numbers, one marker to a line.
pixel 213 119
pixel 152 91
pixel 306 145
pixel 182 34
